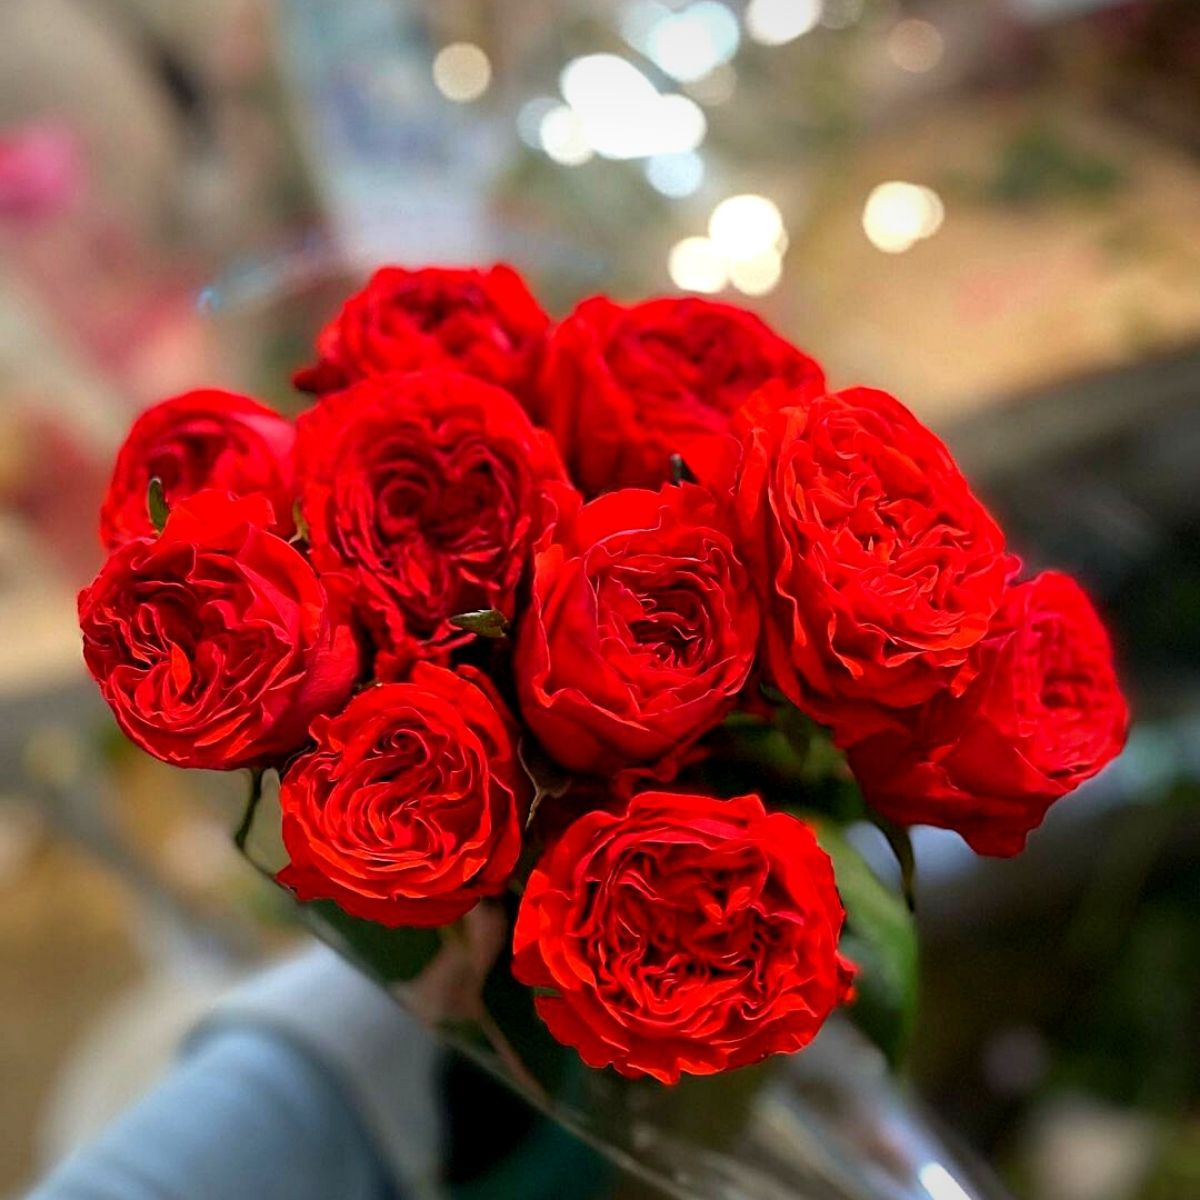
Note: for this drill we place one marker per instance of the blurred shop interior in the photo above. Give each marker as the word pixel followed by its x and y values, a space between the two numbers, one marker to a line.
pixel 992 209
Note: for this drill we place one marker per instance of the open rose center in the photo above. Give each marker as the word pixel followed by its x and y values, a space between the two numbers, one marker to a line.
pixel 439 523
pixel 682 930
pixel 664 619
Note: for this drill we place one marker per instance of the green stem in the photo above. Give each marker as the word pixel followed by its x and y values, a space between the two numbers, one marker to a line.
pixel 901 845
pixel 252 801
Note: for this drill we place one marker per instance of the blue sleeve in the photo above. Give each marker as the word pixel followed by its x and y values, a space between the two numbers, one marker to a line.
pixel 245 1114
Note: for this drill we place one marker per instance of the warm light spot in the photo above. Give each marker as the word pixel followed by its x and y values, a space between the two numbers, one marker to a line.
pixel 897 215
pixel 462 72
pixel 915 45
pixel 773 22
pixel 696 265
pixel 745 226
pixel 563 137
pixel 758 275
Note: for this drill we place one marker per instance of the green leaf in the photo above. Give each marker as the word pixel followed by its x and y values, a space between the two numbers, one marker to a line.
pixel 156 504
pixel 486 622
pixel 391 955
pixel 791 758
pixel 880 939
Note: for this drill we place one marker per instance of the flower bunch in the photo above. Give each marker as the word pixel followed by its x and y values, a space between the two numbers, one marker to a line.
pixel 512 598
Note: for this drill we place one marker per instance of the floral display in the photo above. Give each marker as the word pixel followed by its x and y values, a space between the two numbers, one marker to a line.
pixel 602 630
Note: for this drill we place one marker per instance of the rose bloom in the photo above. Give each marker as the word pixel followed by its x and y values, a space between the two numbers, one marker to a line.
pixel 485 323
pixel 215 644
pixel 410 808
pixel 424 492
pixel 624 388
pixel 879 569
pixel 686 935
pixel 640 631
pixel 1044 713
pixel 201 439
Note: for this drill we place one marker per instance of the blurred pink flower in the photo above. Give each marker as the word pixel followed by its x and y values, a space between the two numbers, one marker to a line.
pixel 41 169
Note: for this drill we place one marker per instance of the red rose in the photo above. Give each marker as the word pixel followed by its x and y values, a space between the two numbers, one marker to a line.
pixel 622 389
pixel 1044 713
pixel 423 490
pixel 485 323
pixel 879 569
pixel 214 644
pixel 202 439
pixel 640 632
pixel 410 808
pixel 687 935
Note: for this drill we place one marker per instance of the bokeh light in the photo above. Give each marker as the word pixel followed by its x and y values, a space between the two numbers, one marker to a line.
pixel 689 44
pixel 675 175
pixel 462 72
pixel 745 226
pixel 915 45
pixel 774 22
pixel 563 137
pixel 758 274
pixel 898 214
pixel 696 265
pixel 623 115
pixel 745 247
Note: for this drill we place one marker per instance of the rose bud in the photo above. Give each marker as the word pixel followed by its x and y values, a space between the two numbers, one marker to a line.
pixel 640 631
pixel 1044 713
pixel 201 439
pixel 215 644
pixel 879 569
pixel 424 492
pixel 686 935
pixel 623 389
pixel 410 808
pixel 485 323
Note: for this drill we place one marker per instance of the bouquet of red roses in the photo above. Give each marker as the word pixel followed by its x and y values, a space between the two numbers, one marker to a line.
pixel 590 634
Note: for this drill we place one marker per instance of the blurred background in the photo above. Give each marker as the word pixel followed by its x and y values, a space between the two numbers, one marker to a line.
pixel 990 208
